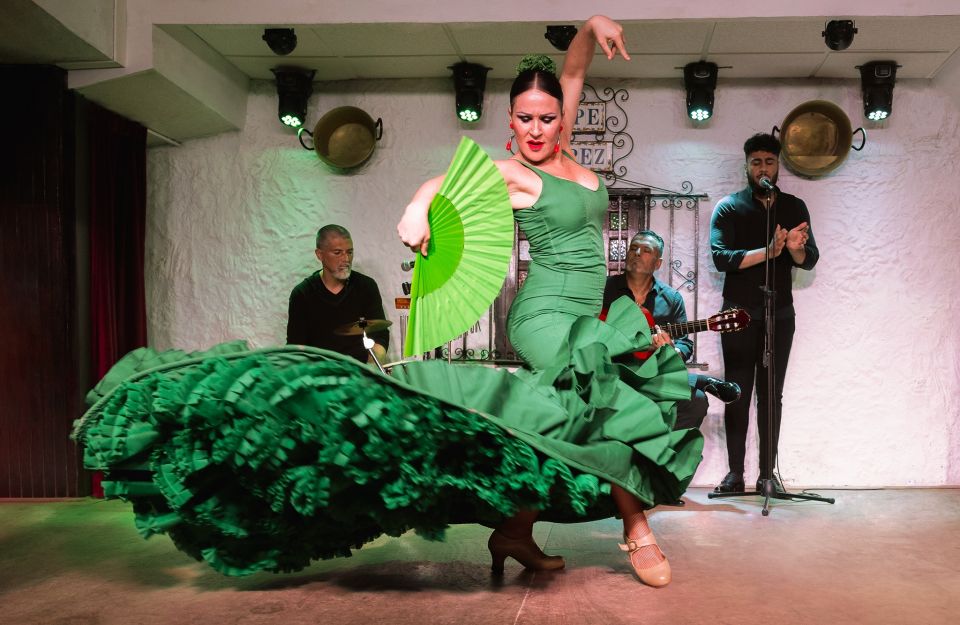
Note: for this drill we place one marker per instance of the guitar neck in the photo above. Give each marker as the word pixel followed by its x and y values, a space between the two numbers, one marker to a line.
pixel 685 327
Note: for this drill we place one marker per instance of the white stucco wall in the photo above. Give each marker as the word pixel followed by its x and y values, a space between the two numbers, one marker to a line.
pixel 871 394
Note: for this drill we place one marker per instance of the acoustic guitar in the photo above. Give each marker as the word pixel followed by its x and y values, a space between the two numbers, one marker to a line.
pixel 730 320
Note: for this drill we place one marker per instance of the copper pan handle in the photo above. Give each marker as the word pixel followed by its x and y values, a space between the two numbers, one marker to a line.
pixel 300 133
pixel 862 143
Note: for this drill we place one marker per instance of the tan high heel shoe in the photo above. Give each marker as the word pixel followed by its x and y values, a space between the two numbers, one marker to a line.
pixel 657 575
pixel 523 550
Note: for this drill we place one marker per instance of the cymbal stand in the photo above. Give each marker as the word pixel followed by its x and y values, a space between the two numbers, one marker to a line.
pixel 368 344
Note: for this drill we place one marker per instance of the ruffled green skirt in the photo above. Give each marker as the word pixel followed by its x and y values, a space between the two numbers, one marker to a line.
pixel 269 459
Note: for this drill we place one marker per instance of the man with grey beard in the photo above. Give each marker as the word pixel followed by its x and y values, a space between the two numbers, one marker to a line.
pixel 335 296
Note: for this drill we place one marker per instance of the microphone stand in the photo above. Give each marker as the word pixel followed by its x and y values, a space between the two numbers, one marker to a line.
pixel 767 485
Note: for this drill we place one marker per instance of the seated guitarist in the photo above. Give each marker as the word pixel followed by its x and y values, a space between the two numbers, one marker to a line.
pixel 665 304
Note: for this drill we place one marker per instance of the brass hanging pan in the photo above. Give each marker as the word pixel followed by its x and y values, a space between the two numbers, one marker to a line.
pixel 816 138
pixel 345 137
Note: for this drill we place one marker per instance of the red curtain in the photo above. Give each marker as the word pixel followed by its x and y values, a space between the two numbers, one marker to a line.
pixel 117 200
pixel 40 353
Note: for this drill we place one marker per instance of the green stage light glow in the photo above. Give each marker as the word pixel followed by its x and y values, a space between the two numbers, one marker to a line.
pixel 877 80
pixel 294 86
pixel 469 81
pixel 700 81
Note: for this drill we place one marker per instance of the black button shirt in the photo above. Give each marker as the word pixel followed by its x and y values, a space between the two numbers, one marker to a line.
pixel 738 225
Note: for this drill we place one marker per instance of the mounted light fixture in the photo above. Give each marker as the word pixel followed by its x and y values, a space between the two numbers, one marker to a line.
pixel 560 36
pixel 294 86
pixel 700 80
pixel 281 40
pixel 838 34
pixel 469 81
pixel 876 81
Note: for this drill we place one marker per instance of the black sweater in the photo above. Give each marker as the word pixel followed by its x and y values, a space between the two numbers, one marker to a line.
pixel 315 313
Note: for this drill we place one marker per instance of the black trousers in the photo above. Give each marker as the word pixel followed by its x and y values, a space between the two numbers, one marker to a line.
pixel 690 412
pixel 743 364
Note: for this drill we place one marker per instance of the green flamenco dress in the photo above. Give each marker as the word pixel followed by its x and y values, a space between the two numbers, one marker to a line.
pixel 269 459
pixel 265 460
pixel 574 404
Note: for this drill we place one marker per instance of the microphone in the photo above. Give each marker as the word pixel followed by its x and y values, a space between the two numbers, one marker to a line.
pixel 407 265
pixel 766 183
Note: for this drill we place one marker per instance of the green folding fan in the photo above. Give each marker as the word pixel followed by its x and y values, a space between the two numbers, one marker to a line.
pixel 471 241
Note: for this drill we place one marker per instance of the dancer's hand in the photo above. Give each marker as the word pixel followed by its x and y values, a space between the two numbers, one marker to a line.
pixel 609 35
pixel 414 229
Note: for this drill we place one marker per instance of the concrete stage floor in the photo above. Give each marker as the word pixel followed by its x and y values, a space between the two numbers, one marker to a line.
pixel 875 557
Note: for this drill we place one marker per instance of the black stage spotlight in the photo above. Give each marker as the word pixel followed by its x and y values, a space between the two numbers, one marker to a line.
pixel 281 40
pixel 469 81
pixel 838 34
pixel 876 80
pixel 700 80
pixel 294 86
pixel 560 36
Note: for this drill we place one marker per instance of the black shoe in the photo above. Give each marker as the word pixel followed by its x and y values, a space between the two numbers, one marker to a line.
pixel 777 486
pixel 731 483
pixel 724 391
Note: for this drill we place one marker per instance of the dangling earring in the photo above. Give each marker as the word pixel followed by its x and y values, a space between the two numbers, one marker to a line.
pixel 509 145
pixel 556 148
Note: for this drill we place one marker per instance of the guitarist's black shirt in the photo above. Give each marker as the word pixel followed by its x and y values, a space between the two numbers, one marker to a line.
pixel 738 226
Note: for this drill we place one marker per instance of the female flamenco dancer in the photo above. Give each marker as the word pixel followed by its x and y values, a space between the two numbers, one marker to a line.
pixel 268 459
pixel 560 206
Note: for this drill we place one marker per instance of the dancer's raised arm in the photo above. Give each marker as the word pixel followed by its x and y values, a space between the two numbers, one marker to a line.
pixel 600 30
pixel 533 134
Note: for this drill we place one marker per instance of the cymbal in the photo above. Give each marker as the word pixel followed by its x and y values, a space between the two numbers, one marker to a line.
pixel 357 327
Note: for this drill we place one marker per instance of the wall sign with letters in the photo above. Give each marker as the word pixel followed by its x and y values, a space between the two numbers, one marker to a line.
pixel 600 140
pixel 595 155
pixel 591 116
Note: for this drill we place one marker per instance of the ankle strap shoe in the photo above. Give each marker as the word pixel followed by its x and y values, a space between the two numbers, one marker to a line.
pixel 657 575
pixel 523 550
